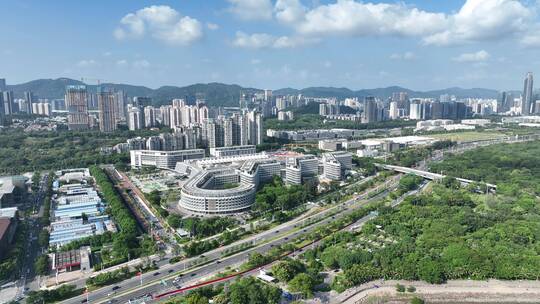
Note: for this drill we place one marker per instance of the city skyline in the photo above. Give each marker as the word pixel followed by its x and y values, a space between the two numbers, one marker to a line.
pixel 277 44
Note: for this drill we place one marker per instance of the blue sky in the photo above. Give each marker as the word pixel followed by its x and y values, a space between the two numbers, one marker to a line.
pixel 418 44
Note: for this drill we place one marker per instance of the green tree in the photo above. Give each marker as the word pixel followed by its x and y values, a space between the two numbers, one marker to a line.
pixel 431 271
pixel 43 238
pixel 285 271
pixel 361 273
pixel 42 265
pixel 253 291
pixel 174 220
pixel 196 299
pixel 302 283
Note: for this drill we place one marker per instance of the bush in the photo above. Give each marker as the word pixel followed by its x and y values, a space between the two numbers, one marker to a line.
pixel 108 278
pixel 55 295
pixel 417 300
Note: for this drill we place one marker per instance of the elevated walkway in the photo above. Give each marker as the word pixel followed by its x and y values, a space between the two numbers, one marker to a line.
pixel 430 175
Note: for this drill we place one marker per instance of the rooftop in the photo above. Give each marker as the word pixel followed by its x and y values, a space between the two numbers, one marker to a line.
pixel 4 225
pixel 8 212
pixel 63 260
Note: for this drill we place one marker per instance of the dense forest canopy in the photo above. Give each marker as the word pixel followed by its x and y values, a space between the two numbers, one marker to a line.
pixel 451 232
pixel 29 151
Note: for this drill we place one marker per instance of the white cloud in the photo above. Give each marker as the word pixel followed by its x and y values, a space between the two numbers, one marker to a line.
pixel 532 39
pixel 251 9
pixel 480 20
pixel 383 74
pixel 289 11
pixel 212 26
pixel 292 42
pixel 162 23
pixel 254 41
pixel 263 40
pixel 472 57
pixel 87 63
pixel 286 69
pixel 404 56
pixel 348 17
pixel 122 63
pixel 327 64
pixel 141 64
pixel 475 21
pixel 255 61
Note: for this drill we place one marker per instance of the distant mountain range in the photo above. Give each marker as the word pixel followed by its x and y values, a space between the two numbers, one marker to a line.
pixel 229 94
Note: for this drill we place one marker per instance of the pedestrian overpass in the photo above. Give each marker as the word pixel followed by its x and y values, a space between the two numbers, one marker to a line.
pixel 430 175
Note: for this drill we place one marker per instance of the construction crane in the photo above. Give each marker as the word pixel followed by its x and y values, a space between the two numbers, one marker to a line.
pixel 97 82
pixel 88 79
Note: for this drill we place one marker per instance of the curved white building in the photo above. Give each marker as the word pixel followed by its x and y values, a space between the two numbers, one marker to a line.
pixel 226 190
pixel 206 192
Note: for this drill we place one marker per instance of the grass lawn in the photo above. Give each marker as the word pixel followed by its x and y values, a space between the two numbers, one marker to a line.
pixel 468 136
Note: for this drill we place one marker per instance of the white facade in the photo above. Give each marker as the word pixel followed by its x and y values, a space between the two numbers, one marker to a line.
pixel 285 115
pixel 149 117
pixel 232 151
pixel 300 168
pixel 135 118
pixel 204 191
pixel 336 164
pixel 415 111
pixel 441 124
pixel 332 144
pixel 41 108
pixel 163 159
pixel 476 122
pixel 394 111
pixel 367 153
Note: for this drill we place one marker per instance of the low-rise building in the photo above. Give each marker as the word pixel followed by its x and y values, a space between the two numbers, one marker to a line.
pixel 163 159
pixel 332 144
pixel 74 175
pixel 233 151
pixel 476 122
pixel 8 189
pixel 8 226
pixel 206 192
pixel 300 169
pixel 367 153
pixel 225 189
pixel 259 171
pixel 78 210
pixel 336 165
pixel 314 135
pixel 441 125
pixel 77 259
pixel 522 119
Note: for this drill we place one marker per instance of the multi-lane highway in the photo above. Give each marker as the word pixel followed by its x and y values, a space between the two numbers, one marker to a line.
pixel 154 282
